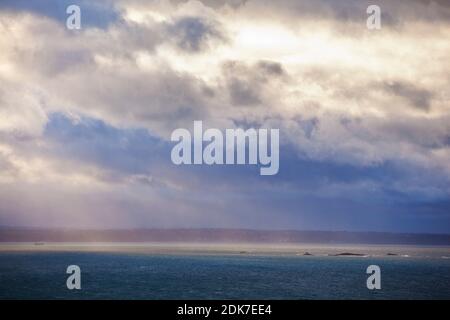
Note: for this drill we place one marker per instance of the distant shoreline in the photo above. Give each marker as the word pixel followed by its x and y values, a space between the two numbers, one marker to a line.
pixel 243 249
pixel 211 235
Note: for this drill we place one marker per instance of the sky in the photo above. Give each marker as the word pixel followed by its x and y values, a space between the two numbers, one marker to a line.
pixel 364 115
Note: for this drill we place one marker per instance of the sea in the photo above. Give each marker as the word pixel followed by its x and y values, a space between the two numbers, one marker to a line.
pixel 37 272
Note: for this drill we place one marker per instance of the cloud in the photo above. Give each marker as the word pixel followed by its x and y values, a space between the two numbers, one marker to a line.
pixel 419 98
pixel 192 34
pixel 363 115
pixel 130 151
pixel 249 85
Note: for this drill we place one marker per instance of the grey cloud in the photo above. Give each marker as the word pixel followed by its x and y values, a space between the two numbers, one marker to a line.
pixel 309 126
pixel 61 51
pixel 6 166
pixel 425 134
pixel 418 97
pixel 192 34
pixel 216 4
pixel 242 93
pixel 129 36
pixel 56 61
pixel 120 91
pixel 393 12
pixel 162 99
pixel 246 83
pixel 271 68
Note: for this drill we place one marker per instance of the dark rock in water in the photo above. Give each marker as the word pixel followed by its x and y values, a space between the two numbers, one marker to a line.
pixel 349 254
pixel 307 254
pixel 392 254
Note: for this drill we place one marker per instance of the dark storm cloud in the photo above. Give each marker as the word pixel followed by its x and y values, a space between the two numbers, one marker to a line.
pixel 135 151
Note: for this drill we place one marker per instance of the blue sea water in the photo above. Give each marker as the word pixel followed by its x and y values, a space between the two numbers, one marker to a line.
pixel 42 275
